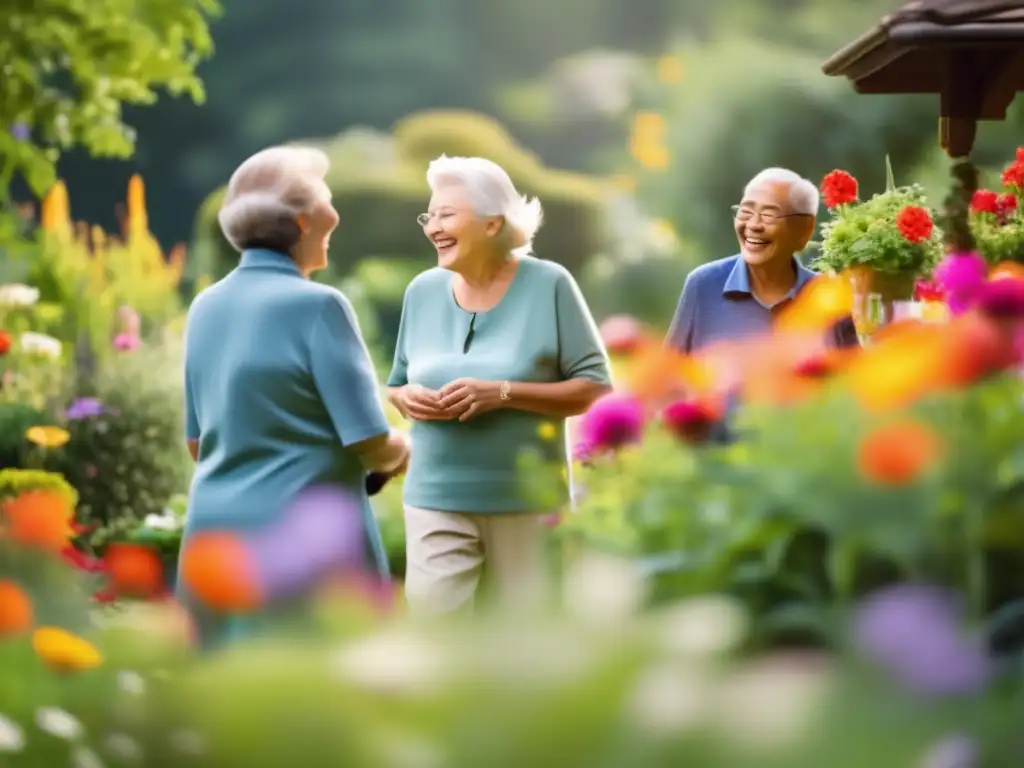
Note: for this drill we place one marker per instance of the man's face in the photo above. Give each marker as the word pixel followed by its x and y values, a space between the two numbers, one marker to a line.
pixel 766 226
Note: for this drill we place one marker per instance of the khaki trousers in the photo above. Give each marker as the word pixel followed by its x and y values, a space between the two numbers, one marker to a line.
pixel 448 554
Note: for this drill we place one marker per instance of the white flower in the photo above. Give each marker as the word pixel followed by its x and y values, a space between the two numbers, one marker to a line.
pixel 12 738
pixel 668 699
pixel 701 626
pixel 18 295
pixel 131 682
pixel 164 522
pixel 124 747
pixel 83 757
pixel 604 589
pixel 40 344
pixel 392 662
pixel 59 723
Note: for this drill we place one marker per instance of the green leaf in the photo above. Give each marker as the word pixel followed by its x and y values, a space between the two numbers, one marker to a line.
pixel 890 179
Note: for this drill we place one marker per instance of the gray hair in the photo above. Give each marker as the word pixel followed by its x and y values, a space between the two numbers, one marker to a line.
pixel 803 194
pixel 267 193
pixel 491 193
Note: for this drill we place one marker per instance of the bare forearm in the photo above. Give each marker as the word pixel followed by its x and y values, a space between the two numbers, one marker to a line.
pixel 560 400
pixel 193 449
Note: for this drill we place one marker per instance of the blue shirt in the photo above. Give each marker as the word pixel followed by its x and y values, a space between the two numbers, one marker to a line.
pixel 278 386
pixel 505 460
pixel 718 305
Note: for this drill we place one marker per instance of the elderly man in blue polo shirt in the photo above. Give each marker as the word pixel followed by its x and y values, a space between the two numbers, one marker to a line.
pixel 739 296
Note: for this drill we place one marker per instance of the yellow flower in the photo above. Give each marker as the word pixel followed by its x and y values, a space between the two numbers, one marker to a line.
pixel 670 69
pixel 652 156
pixel 547 431
pixel 48 437
pixel 62 651
pixel 649 126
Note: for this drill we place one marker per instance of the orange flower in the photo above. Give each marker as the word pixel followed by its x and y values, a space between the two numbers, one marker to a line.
pixel 62 651
pixel 135 570
pixel 898 453
pixel 40 519
pixel 218 568
pixel 906 364
pixel 820 305
pixel 15 609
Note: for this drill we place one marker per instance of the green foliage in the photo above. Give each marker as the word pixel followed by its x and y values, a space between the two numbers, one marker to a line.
pixel 379 188
pixel 15 419
pixel 14 482
pixel 69 67
pixel 786 522
pixel 128 462
pixel 864 234
pixel 999 239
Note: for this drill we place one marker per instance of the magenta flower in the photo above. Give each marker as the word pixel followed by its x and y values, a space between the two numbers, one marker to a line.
pixel 614 421
pixel 959 276
pixel 126 342
pixel 1002 299
pixel 689 421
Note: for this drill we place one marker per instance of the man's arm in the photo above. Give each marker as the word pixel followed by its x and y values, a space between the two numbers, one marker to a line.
pixel 680 332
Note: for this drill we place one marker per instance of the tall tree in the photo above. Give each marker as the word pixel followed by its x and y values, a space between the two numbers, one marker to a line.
pixel 69 68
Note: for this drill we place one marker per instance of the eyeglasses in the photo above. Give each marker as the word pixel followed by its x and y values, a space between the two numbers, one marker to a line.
pixel 745 213
pixel 425 218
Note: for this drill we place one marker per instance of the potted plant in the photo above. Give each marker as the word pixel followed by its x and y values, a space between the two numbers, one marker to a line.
pixel 884 244
pixel 996 219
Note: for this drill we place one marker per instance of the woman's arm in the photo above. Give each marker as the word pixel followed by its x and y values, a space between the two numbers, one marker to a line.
pixel 560 400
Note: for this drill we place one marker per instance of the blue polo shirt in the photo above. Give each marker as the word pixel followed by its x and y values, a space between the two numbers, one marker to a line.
pixel 718 305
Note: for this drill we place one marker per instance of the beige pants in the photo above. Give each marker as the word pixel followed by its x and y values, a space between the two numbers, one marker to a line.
pixel 447 554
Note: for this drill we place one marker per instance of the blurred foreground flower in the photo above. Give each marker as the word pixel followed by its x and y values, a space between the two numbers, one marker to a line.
pixel 134 570
pixel 5 342
pixel 1002 299
pixel 219 569
pixel 689 420
pixel 898 453
pixel 913 632
pixel 48 437
pixel 62 651
pixel 959 276
pixel 15 609
pixel 613 422
pixel 622 334
pixel 820 305
pixel 39 519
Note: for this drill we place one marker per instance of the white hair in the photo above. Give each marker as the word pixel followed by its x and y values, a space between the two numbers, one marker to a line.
pixel 490 192
pixel 267 193
pixel 803 194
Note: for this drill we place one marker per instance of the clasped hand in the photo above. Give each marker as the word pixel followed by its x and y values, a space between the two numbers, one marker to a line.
pixel 461 399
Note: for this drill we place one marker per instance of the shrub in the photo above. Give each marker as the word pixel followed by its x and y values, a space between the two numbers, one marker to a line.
pixel 129 460
pixel 15 419
pixel 379 188
pixel 14 482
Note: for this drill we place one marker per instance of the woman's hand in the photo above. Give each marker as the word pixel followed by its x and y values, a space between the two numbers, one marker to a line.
pixel 470 397
pixel 419 403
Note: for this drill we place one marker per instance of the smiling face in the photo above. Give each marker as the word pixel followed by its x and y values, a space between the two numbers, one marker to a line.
pixel 766 226
pixel 455 229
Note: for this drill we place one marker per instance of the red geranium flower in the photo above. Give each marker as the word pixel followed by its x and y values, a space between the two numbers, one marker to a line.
pixel 1013 174
pixel 5 342
pixel 985 201
pixel 838 188
pixel 1006 205
pixel 927 290
pixel 914 223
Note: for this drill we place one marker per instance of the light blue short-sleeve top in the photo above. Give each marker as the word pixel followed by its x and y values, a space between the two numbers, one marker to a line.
pixel 278 385
pixel 540 332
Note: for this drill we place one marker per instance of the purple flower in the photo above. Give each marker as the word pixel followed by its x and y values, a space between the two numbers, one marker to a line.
pixel 126 342
pixel 959 276
pixel 1002 299
pixel 84 408
pixel 320 534
pixel 913 631
pixel 612 422
pixel 21 131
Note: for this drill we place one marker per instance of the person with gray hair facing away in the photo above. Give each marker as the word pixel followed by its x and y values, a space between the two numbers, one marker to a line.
pixel 740 296
pixel 280 392
pixel 496 349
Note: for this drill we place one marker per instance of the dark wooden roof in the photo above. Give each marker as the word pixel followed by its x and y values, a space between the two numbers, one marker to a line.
pixel 969 52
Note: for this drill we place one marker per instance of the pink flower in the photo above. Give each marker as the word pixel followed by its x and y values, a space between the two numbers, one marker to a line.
pixel 689 421
pixel 1002 299
pixel 614 421
pixel 959 276
pixel 126 342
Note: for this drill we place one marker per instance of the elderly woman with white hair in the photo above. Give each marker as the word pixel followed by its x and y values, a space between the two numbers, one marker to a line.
pixel 496 349
pixel 280 392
